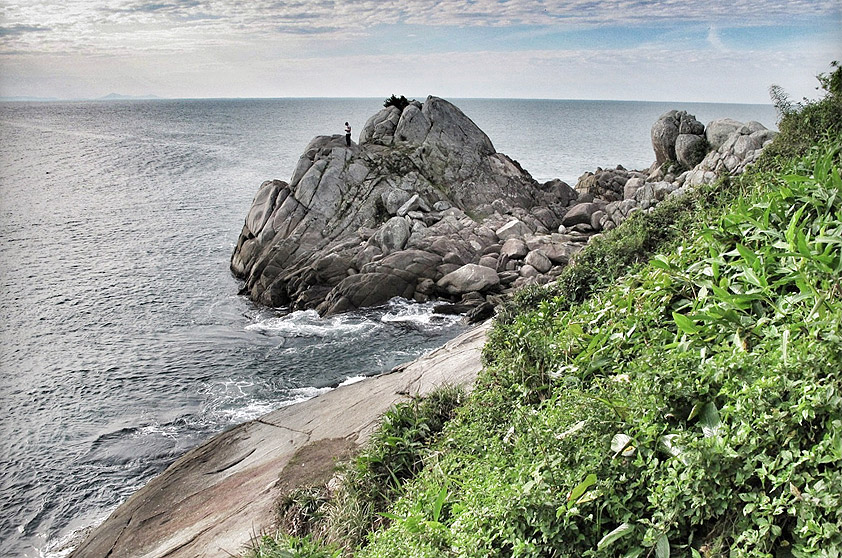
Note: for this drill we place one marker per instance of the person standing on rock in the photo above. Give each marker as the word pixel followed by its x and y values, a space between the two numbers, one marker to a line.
pixel 347 134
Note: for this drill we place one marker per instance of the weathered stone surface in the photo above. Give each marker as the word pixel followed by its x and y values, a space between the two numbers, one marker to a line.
pixel 428 155
pixel 631 187
pixel 515 248
pixel 579 214
pixel 741 148
pixel 539 260
pixel 412 204
pixel 513 229
pixel 717 131
pixel 367 289
pixel 690 149
pixel 666 132
pixel 211 501
pixel 468 278
pixel 528 271
pixel 560 191
pixel 394 199
pixel 489 261
pixel 605 184
pixel 393 235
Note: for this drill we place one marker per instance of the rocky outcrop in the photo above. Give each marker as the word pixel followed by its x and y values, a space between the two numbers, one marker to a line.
pixel 425 208
pixel 423 194
pixel 677 137
pixel 741 147
pixel 687 154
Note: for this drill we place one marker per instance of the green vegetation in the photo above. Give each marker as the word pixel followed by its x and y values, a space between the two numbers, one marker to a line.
pixel 805 123
pixel 678 392
pixel 341 516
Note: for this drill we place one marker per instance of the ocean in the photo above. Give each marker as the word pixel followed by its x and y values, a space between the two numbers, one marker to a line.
pixel 123 342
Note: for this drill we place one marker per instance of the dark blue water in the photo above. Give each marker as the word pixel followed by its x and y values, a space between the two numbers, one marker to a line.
pixel 122 340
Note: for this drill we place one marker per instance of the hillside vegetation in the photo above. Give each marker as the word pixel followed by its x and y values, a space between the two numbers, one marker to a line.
pixel 678 392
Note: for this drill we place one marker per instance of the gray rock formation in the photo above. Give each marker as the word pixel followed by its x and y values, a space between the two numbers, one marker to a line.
pixel 674 131
pixel 425 208
pixel 726 146
pixel 424 180
pixel 740 148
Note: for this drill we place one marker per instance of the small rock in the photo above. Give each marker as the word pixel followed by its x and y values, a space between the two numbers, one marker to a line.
pixel 515 249
pixel 528 271
pixel 412 204
pixel 513 229
pixel 488 261
pixel 539 261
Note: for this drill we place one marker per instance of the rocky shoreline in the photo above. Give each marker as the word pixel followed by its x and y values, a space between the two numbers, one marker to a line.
pixel 215 498
pixel 424 208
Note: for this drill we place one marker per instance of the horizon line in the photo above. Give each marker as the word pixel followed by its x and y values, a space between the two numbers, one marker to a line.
pixel 111 98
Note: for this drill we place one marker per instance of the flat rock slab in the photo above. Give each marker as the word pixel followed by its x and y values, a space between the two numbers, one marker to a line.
pixel 215 498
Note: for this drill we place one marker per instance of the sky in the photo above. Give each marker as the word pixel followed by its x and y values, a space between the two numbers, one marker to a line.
pixel 657 50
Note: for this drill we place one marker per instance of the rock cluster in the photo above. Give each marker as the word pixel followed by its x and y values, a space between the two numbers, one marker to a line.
pixel 687 154
pixel 419 209
pixel 425 208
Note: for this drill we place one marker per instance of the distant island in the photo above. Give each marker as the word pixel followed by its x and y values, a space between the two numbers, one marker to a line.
pixel 119 97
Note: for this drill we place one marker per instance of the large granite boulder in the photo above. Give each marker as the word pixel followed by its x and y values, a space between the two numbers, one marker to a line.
pixel 717 131
pixel 666 132
pixel 605 184
pixel 422 180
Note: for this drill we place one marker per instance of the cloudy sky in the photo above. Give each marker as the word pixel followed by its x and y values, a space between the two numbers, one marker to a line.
pixel 670 50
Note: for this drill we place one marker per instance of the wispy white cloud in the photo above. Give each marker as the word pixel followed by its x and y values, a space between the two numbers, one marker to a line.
pixel 81 23
pixel 714 40
pixel 553 48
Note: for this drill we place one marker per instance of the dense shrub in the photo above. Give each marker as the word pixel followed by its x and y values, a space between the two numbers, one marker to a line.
pixel 803 124
pixel 398 102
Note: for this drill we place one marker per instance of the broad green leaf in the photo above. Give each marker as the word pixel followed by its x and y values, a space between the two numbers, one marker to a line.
pixel 580 488
pixel 697 407
pixel 660 262
pixel 439 503
pixel 618 533
pixel 709 419
pixel 752 278
pixel 662 547
pixel 793 226
pixel 684 323
pixel 747 254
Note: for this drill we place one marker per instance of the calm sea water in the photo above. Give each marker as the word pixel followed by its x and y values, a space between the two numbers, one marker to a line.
pixel 122 340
